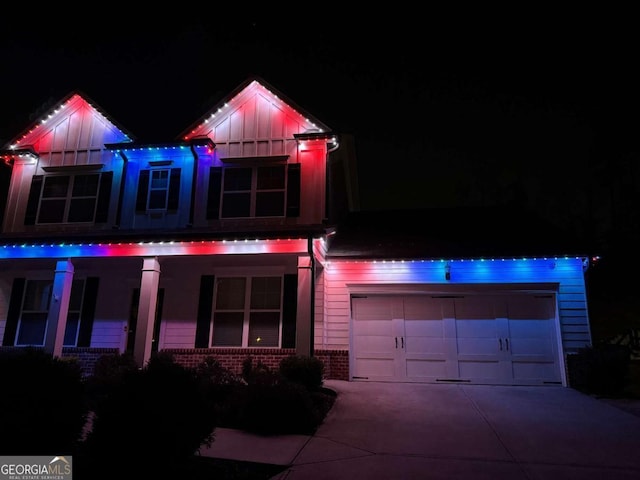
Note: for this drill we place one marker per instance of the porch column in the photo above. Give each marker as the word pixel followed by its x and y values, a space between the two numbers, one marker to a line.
pixel 58 308
pixel 304 311
pixel 146 310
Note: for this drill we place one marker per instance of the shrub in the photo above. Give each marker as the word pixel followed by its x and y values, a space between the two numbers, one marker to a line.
pixel 601 370
pixel 304 370
pixel 258 373
pixel 108 373
pixel 155 419
pixel 42 411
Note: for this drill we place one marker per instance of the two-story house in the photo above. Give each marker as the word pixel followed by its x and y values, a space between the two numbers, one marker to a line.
pixel 243 237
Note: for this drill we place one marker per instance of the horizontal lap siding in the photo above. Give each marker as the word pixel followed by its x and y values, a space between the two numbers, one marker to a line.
pixel 566 273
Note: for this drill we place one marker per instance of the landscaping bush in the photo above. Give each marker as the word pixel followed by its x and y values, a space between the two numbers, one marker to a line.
pixel 600 370
pixel 304 370
pixel 42 409
pixel 108 374
pixel 154 420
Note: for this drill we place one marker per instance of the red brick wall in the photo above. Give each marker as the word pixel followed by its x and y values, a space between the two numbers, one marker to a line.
pixel 87 356
pixel 336 362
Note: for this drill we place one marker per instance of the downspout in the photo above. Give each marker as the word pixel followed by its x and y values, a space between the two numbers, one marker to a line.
pixel 312 300
pixel 123 180
pixel 194 179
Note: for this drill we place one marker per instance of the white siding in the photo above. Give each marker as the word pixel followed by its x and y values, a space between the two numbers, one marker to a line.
pixel 563 275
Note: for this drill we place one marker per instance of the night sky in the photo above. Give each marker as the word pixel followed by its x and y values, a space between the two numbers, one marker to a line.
pixel 447 107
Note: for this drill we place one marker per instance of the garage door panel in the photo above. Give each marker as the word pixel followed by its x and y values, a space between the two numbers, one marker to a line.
pixel 375 368
pixel 424 346
pixel 530 328
pixel 424 328
pixel 477 346
pixel 534 373
pixel 479 370
pixel 372 328
pixel 477 328
pixel 532 346
pixel 423 308
pixel 426 370
pixel 370 345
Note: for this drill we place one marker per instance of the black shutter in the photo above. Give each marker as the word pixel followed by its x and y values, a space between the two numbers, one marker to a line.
pixel 293 190
pixel 205 305
pixel 289 310
pixel 174 190
pixel 104 197
pixel 143 191
pixel 215 189
pixel 34 200
pixel 13 313
pixel 88 313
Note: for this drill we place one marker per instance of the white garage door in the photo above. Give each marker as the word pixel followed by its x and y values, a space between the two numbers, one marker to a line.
pixel 502 339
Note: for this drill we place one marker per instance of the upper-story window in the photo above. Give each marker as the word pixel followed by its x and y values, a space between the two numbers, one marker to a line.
pixel 158 190
pixel 254 191
pixel 75 198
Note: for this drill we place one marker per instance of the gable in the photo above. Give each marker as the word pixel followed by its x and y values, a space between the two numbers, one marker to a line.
pixel 74 132
pixel 254 121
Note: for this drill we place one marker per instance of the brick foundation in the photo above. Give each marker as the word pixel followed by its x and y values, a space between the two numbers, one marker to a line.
pixel 336 362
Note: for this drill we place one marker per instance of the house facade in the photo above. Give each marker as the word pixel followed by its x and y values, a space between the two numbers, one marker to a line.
pixel 227 241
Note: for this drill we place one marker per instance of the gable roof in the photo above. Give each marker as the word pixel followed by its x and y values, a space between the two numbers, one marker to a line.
pixel 53 110
pixel 451 233
pixel 195 128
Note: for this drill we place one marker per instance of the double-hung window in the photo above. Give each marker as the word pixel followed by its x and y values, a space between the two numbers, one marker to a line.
pixel 36 301
pixel 254 191
pixel 73 198
pixel 247 312
pixel 158 190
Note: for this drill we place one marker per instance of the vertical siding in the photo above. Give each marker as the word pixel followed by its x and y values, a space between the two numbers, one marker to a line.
pixel 566 274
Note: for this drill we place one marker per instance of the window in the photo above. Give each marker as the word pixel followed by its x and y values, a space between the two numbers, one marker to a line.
pixel 247 312
pixel 158 190
pixel 253 191
pixel 32 326
pixel 79 198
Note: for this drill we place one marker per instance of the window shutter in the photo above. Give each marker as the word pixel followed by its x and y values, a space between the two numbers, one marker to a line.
pixel 104 197
pixel 34 200
pixel 205 306
pixel 289 312
pixel 13 313
pixel 174 190
pixel 143 191
pixel 215 189
pixel 88 311
pixel 293 190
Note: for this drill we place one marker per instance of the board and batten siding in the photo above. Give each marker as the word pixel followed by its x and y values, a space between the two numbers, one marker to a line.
pixel 562 276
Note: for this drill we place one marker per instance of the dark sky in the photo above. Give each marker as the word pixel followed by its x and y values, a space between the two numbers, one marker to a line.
pixel 506 99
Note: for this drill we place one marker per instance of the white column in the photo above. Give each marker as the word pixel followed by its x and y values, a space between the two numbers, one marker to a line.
pixel 146 310
pixel 58 308
pixel 304 313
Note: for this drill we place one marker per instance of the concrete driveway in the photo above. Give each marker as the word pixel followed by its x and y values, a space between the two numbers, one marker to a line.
pixel 418 431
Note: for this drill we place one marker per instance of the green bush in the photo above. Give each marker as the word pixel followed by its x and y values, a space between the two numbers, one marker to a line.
pixel 304 370
pixel 154 420
pixel 42 409
pixel 108 374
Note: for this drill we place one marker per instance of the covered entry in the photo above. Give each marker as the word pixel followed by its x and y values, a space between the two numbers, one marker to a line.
pixel 508 338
